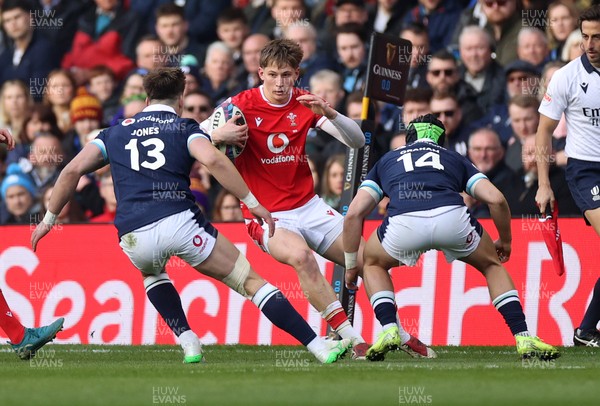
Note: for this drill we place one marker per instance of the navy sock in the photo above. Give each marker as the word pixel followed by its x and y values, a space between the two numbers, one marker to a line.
pixel 385 313
pixel 282 314
pixel 592 314
pixel 166 301
pixel 509 306
pixel 384 306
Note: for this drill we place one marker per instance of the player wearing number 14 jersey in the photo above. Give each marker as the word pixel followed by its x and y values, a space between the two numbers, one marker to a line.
pixel 426 211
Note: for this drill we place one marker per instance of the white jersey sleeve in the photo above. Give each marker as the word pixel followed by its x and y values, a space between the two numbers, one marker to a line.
pixel 575 91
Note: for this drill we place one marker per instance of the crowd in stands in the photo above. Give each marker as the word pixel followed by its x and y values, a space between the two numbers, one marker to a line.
pixel 69 68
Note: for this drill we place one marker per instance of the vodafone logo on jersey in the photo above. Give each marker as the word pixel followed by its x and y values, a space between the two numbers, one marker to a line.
pixel 277 142
pixel 128 121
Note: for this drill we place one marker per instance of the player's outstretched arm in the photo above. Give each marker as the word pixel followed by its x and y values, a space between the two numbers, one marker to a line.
pixel 486 192
pixel 343 128
pixel 228 176
pixel 362 204
pixel 7 138
pixel 88 160
pixel 543 149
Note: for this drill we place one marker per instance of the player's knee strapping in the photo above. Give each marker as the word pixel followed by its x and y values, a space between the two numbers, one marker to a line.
pixel 236 279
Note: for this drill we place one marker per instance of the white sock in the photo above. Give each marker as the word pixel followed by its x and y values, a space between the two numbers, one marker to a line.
pixel 316 345
pixel 404 336
pixel 346 330
pixel 187 337
pixel 389 325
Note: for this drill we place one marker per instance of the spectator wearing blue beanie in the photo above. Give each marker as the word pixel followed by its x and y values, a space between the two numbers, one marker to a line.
pixel 18 193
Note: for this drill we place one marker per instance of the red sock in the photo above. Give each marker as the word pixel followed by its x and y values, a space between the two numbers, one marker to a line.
pixel 335 315
pixel 9 323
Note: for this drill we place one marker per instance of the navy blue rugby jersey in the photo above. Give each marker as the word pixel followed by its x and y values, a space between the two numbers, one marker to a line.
pixel 150 164
pixel 422 176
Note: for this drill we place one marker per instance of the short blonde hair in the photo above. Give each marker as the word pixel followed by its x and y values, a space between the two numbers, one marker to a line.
pixel 573 38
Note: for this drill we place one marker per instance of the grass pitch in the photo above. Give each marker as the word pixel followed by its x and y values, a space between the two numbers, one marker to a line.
pixel 262 375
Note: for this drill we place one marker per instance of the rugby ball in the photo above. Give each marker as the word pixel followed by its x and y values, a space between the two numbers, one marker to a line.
pixel 220 116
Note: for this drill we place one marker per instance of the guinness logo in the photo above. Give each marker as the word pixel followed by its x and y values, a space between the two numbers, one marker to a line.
pixel 390 53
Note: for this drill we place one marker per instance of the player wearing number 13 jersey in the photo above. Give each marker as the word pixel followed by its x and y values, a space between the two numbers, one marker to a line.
pixel 150 165
pixel 423 181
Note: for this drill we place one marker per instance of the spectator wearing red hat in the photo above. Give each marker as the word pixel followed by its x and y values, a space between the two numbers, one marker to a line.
pixel 86 115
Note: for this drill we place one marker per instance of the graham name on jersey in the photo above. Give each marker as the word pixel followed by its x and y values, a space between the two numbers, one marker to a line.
pixel 416 149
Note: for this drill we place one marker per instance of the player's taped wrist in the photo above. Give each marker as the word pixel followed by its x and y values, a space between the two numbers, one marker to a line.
pixel 350 258
pixel 49 218
pixel 250 201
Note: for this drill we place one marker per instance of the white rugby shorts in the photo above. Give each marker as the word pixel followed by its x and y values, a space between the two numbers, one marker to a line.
pixel 449 229
pixel 317 222
pixel 186 235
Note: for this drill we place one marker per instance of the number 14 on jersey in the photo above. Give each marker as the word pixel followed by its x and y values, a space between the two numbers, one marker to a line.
pixel 428 159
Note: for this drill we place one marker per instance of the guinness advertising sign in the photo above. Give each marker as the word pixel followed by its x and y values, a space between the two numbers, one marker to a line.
pixel 389 62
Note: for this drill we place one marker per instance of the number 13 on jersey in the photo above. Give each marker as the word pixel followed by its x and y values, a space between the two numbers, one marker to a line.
pixel 159 158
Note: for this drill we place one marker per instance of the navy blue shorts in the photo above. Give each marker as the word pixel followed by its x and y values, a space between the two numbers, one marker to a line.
pixel 583 178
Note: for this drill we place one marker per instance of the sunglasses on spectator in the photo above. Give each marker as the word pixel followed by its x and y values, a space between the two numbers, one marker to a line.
pixel 201 109
pixel 446 72
pixel 447 113
pixel 499 3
